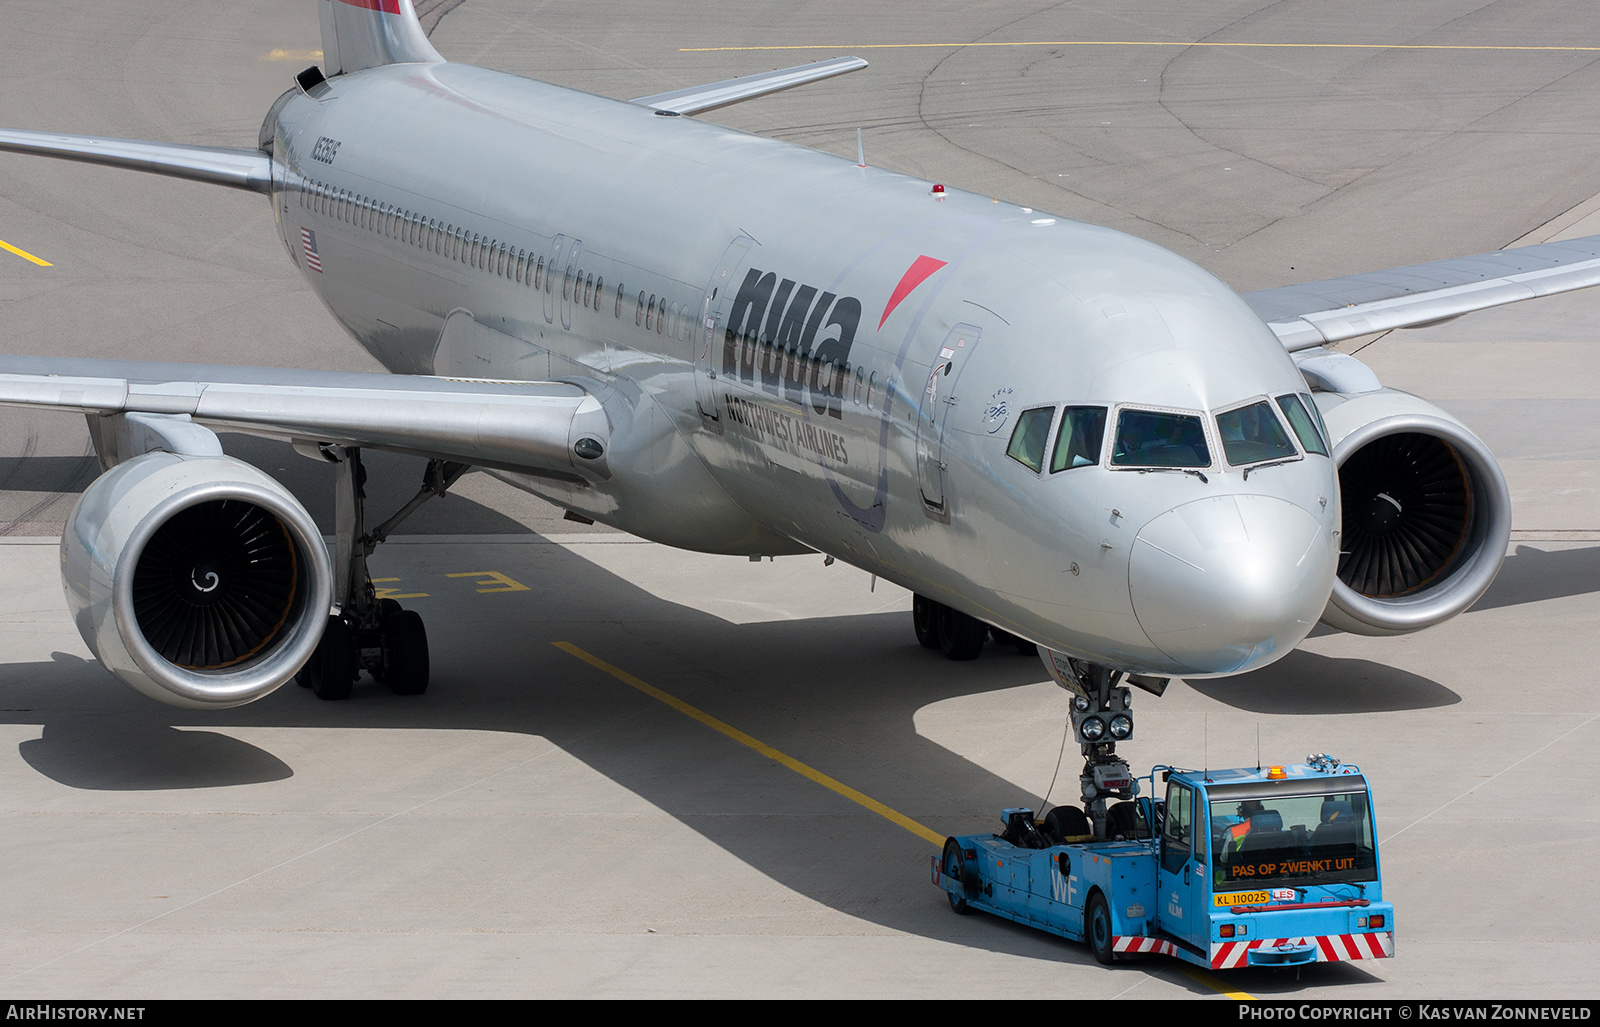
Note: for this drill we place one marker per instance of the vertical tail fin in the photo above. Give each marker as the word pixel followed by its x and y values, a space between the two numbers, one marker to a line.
pixel 359 34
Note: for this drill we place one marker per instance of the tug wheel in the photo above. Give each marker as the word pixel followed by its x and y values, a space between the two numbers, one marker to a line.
pixel 955 866
pixel 1098 922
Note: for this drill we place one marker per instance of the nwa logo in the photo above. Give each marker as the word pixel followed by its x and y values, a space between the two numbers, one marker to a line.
pixel 773 338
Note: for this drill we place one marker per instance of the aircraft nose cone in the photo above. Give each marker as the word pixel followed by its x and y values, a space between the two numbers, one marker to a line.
pixel 1227 584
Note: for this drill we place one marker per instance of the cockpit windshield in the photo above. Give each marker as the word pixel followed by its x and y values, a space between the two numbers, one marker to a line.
pixel 1287 841
pixel 1151 438
pixel 1251 434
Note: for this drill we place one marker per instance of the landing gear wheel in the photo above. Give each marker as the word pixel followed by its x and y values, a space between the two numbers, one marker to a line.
pixel 387 608
pixel 1097 920
pixel 333 665
pixel 1066 822
pixel 925 620
pixel 955 867
pixel 961 637
pixel 405 653
pixel 1022 645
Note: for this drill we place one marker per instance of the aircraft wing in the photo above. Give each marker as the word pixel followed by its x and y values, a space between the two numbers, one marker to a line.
pixel 1315 313
pixel 699 99
pixel 219 165
pixel 518 426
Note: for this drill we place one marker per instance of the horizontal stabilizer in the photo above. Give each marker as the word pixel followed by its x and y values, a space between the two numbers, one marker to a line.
pixel 516 426
pixel 219 165
pixel 1333 309
pixel 699 99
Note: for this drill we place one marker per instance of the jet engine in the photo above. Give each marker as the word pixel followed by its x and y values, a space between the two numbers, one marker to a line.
pixel 197 580
pixel 1426 513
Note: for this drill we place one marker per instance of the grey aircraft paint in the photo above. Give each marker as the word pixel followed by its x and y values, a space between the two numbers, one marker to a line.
pixel 734 345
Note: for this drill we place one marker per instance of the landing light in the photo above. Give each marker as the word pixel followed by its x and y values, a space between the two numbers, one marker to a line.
pixel 1121 726
pixel 1092 728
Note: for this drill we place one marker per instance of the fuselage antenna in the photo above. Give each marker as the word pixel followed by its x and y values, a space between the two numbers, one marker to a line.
pixel 861 151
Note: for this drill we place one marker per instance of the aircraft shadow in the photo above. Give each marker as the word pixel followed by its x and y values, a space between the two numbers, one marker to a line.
pixel 1532 575
pixel 1308 684
pixel 838 693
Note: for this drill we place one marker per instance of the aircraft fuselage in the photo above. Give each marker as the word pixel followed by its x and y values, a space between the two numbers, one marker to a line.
pixel 797 354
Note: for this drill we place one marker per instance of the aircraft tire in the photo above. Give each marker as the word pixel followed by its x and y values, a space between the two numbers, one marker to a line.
pixel 961 637
pixel 405 643
pixel 1097 928
pixel 335 662
pixel 925 621
pixel 386 608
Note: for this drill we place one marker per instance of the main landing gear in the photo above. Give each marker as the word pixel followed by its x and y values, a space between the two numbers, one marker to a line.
pixel 959 636
pixel 368 633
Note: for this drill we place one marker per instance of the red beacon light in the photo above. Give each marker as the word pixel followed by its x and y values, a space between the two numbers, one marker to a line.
pixel 938 191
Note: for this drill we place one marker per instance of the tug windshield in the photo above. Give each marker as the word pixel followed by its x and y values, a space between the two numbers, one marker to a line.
pixel 1279 841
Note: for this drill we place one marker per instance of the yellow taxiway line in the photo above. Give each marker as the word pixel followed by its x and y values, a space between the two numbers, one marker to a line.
pixel 832 784
pixel 24 254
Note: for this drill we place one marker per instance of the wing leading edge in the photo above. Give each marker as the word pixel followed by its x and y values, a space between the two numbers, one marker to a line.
pixel 218 165
pixel 1315 313
pixel 532 427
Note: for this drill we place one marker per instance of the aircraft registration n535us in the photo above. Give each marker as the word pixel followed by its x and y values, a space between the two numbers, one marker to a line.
pixel 734 345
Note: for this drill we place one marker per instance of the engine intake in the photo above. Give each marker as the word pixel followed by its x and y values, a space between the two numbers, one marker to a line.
pixel 199 581
pixel 1426 513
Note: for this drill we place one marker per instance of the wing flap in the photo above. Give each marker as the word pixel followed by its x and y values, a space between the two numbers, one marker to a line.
pixel 515 426
pixel 699 99
pixel 1334 309
pixel 218 165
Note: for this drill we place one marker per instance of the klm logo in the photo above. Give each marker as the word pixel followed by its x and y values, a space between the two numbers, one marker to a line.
pixel 791 341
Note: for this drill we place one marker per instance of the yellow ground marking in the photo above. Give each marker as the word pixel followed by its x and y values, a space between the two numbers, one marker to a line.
pixel 893 816
pixel 1149 42
pixel 24 254
pixel 832 784
pixel 1199 976
pixel 292 55
pixel 492 578
pixel 389 593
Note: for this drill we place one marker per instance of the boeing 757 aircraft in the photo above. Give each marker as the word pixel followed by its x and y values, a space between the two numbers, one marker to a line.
pixel 729 344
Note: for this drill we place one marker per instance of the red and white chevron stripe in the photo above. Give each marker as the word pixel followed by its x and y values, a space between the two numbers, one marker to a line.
pixel 1133 943
pixel 1331 948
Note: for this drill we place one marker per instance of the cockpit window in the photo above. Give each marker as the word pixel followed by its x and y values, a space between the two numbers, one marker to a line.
pixel 1252 434
pixel 1078 442
pixel 1305 429
pixel 1149 438
pixel 1029 437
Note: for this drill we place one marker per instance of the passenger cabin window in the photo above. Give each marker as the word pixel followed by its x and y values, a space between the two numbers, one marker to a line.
pixel 1083 429
pixel 1305 429
pixel 1152 438
pixel 1252 434
pixel 1028 438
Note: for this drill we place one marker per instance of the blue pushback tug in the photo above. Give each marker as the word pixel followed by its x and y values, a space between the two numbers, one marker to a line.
pixel 1274 867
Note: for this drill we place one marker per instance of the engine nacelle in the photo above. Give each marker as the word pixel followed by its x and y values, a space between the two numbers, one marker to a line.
pixel 197 580
pixel 1426 513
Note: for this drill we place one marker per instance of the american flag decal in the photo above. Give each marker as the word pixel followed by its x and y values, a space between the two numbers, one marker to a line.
pixel 308 243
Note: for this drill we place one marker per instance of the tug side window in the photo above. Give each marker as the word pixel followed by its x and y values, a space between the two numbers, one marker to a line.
pixel 1177 831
